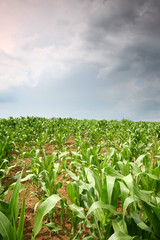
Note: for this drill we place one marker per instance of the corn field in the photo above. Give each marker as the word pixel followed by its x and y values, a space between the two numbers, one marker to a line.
pixel 102 178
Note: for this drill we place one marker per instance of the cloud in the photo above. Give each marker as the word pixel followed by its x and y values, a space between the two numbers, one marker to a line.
pixel 81 58
pixel 13 71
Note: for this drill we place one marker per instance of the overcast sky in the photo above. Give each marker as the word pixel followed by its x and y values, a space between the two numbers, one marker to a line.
pixel 80 58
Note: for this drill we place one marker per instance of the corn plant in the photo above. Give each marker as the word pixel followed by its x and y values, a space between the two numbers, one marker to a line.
pixel 44 209
pixel 4 170
pixel 104 189
pixel 98 194
pixel 6 148
pixel 115 194
pixel 11 228
pixel 44 171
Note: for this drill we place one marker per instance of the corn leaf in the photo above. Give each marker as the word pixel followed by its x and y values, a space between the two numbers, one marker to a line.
pixel 21 222
pixel 140 222
pixel 152 217
pixel 110 186
pixel 101 205
pixel 6 228
pixel 120 236
pixel 13 210
pixel 127 202
pixel 43 209
pixel 53 227
pixel 79 210
pixel 119 225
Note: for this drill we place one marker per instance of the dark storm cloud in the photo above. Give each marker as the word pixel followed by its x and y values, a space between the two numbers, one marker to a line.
pixel 117 17
pixel 120 16
pixel 126 27
pixel 129 36
pixel 141 60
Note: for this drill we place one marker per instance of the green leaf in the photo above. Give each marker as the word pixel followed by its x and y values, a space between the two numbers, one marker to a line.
pixel 79 210
pixel 72 193
pixel 119 225
pixel 109 155
pixel 90 176
pixel 127 202
pixel 21 222
pixel 140 159
pixel 101 205
pixel 124 191
pixel 4 205
pixel 110 186
pixel 152 217
pixel 13 210
pixel 140 222
pixel 53 227
pixel 6 229
pixel 58 185
pixel 27 155
pixel 28 177
pixel 89 238
pixel 72 175
pixel 112 172
pixel 43 209
pixel 129 181
pixel 120 236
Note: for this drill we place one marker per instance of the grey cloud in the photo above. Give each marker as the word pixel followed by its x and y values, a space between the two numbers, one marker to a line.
pixel 111 18
pixel 122 18
pixel 113 61
pixel 117 15
pixel 62 22
pixel 148 110
pixel 149 106
pixel 142 60
pixel 126 39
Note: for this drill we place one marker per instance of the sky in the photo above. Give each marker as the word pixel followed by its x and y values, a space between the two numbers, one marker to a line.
pixel 92 59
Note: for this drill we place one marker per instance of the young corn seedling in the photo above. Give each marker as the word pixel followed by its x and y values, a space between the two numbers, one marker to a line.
pixel 44 171
pixel 10 227
pixel 44 209
pixel 93 202
pixel 4 170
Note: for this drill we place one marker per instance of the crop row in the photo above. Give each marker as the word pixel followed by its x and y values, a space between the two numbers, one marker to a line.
pixel 111 169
